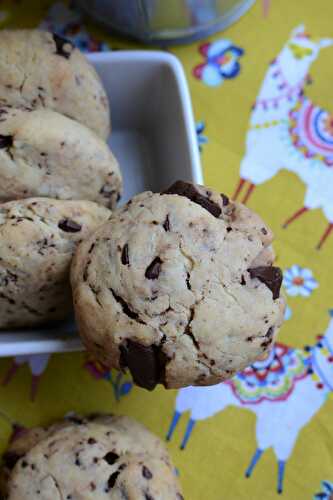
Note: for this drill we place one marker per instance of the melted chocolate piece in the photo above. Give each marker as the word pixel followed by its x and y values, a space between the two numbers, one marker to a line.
pixel 146 363
pixel 69 226
pixel 188 283
pixel 154 268
pixel 111 457
pixel 166 224
pixel 112 480
pixel 270 276
pixel 190 191
pixel 64 47
pixel 270 332
pixel 6 141
pixel 124 255
pixel 146 473
pixel 225 200
pixel 10 458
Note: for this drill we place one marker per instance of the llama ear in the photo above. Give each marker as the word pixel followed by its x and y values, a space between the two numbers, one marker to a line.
pixel 325 42
pixel 298 30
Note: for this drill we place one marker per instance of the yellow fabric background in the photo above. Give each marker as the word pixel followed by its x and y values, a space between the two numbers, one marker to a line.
pixel 212 467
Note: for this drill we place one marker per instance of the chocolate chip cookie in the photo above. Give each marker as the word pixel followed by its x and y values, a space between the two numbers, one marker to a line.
pixel 42 70
pixel 179 288
pixel 43 153
pixel 38 238
pixel 92 459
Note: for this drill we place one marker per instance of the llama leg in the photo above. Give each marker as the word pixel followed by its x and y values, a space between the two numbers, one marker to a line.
pixel 10 373
pixel 187 434
pixel 253 462
pixel 281 470
pixel 265 7
pixel 238 188
pixel 326 234
pixel 248 193
pixel 295 216
pixel 174 422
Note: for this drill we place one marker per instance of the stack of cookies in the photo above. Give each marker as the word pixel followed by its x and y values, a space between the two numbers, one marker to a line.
pixel 177 287
pixel 58 177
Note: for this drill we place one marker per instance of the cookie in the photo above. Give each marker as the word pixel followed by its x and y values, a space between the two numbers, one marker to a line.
pixel 179 288
pixel 42 70
pixel 38 238
pixel 92 459
pixel 43 153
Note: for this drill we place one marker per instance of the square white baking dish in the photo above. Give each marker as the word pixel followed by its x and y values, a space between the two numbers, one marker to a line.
pixel 153 137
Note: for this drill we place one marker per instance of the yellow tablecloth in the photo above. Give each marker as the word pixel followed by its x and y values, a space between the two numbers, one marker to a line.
pixel 264 131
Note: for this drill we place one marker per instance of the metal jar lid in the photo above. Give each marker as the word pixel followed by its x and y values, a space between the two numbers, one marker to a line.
pixel 165 21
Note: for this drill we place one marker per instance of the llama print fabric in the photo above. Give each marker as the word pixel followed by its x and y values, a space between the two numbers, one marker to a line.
pixel 262 99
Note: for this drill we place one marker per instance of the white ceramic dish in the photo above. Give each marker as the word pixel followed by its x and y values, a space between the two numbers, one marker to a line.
pixel 153 137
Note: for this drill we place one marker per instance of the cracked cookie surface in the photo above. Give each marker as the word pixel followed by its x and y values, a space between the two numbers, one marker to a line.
pixel 179 288
pixel 43 153
pixel 102 457
pixel 42 70
pixel 38 238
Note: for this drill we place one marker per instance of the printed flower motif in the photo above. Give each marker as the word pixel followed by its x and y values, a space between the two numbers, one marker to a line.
pixel 299 281
pixel 99 372
pixel 202 139
pixel 221 62
pixel 326 492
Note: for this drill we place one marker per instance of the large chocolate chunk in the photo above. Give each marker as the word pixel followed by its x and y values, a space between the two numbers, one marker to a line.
pixel 69 226
pixel 111 457
pixel 6 141
pixel 153 270
pixel 146 363
pixel 112 480
pixel 190 191
pixel 64 47
pixel 270 276
pixel 124 255
pixel 147 474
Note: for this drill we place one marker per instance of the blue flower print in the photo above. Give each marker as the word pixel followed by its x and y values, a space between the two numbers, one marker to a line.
pixel 221 62
pixel 299 281
pixel 326 492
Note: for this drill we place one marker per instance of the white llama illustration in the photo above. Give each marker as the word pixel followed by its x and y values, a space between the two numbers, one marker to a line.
pixel 287 131
pixel 37 364
pixel 284 391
